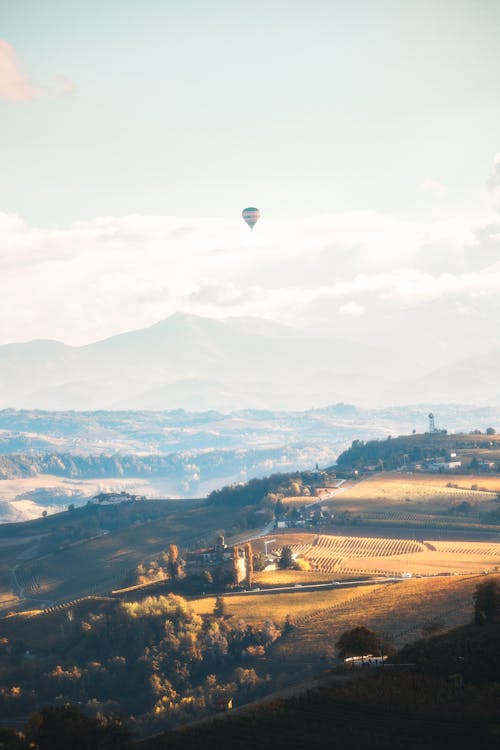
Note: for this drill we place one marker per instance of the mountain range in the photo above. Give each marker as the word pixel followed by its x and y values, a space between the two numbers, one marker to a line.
pixel 196 363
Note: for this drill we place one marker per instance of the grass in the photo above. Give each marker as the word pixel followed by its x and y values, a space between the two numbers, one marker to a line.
pixel 43 631
pixel 286 577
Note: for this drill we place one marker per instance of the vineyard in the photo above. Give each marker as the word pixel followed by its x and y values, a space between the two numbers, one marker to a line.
pixel 353 556
pixel 397 611
pixel 469 548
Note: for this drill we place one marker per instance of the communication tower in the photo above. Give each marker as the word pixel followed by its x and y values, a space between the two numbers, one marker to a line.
pixel 432 426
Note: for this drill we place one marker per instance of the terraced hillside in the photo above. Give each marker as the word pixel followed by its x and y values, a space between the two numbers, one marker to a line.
pixel 354 555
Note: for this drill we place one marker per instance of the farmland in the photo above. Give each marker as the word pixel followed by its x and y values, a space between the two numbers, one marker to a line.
pixel 256 608
pixel 289 577
pixel 344 556
pixel 421 493
pixel 399 611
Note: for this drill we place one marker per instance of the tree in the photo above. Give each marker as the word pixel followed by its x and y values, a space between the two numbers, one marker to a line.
pixel 174 562
pixel 207 577
pixel 63 727
pixel 358 642
pixel 249 559
pixel 491 431
pixel 286 557
pixel 220 609
pixel 236 559
pixel 279 509
pixel 486 602
pixel 431 627
pixel 288 626
pixel 260 561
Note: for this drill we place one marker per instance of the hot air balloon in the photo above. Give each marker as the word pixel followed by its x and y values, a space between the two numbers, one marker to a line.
pixel 251 216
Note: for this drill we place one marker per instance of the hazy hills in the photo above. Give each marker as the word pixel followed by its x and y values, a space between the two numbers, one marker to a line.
pixel 198 363
pixel 472 380
pixel 191 362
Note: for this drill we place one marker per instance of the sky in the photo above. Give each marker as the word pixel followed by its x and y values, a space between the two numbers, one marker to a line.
pixel 133 134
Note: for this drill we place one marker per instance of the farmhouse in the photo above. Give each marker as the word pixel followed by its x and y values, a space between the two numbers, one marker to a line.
pixel 444 465
pixel 112 498
pixel 221 561
pixel 484 465
pixel 368 660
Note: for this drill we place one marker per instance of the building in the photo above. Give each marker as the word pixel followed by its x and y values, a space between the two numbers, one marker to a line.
pixel 223 562
pixel 444 465
pixel 113 498
pixel 368 660
pixel 484 465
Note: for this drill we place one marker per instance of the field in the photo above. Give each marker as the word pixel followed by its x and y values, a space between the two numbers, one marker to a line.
pixel 289 577
pixel 342 556
pixel 398 611
pixel 299 500
pixel 416 493
pixel 259 607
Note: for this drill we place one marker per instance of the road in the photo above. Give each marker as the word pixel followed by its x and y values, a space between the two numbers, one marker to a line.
pixel 301 587
pixel 329 495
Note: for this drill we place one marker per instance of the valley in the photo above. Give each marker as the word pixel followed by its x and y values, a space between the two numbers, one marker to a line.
pixel 398 552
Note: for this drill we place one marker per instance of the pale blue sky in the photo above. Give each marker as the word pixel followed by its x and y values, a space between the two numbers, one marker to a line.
pixel 197 108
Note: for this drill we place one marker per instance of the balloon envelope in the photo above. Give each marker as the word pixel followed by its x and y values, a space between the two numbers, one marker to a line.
pixel 251 216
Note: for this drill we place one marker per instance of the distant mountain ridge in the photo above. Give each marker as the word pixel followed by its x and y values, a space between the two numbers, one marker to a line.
pixel 196 363
pixel 190 362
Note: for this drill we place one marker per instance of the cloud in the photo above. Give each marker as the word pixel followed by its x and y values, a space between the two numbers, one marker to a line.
pixel 15 86
pixel 64 86
pixel 493 183
pixel 434 187
pixel 112 274
pixel 352 308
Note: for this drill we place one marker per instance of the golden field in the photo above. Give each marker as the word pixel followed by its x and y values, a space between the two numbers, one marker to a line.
pixel 289 577
pixel 255 608
pixel 396 611
pixel 421 493
pixel 299 500
pixel 338 555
